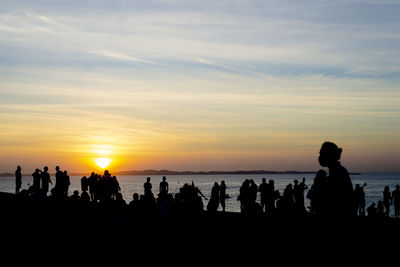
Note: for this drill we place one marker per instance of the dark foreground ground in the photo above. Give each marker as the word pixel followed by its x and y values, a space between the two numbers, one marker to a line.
pixel 46 227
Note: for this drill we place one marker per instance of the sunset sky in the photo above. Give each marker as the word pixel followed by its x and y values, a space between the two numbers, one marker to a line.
pixel 199 85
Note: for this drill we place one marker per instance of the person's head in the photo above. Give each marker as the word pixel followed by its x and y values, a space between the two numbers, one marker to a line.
pixel 397 187
pixel 57 168
pixel 76 193
pixel 18 167
pixel 65 172
pixel 106 172
pixel 148 179
pixel 215 184
pixel 296 181
pixel 263 180
pixel 164 178
pixel 329 154
pixel 222 182
pixel 37 170
pixel 135 196
pixel 386 188
pixel 46 168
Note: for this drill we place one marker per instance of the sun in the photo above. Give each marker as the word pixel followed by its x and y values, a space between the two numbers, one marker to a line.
pixel 103 162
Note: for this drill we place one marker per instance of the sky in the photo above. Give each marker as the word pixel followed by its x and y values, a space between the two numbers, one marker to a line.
pixel 199 85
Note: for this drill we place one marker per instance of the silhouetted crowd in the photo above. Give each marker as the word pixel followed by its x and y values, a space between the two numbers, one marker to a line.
pixel 331 194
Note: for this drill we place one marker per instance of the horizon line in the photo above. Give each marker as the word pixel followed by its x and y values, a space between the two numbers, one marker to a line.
pixel 190 172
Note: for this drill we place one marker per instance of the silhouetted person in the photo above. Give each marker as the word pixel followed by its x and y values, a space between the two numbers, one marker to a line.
pixel 222 194
pixel 115 187
pixel 92 183
pixel 18 179
pixel 134 204
pixel 75 196
pixel 288 199
pixel 59 186
pixel 147 188
pixel 371 210
pixel 317 193
pixel 271 195
pixel 339 186
pixel 244 196
pixel 359 199
pixel 45 176
pixel 263 189
pixel 85 198
pixel 35 188
pixel 164 187
pixel 253 189
pixel 66 183
pixel 396 201
pixel 380 209
pixel 213 204
pixel 387 199
pixel 298 190
pixel 84 184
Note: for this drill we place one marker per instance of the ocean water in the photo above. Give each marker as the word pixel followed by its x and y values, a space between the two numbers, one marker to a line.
pixel 131 184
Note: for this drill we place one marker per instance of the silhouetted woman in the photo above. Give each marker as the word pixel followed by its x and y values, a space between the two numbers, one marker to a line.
pixel 339 186
pixel 387 198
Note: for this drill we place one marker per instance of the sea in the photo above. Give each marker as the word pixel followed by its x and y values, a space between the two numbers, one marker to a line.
pixel 131 184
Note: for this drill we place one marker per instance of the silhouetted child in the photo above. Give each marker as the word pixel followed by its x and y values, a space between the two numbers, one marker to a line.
pixel 75 196
pixel 339 186
pixel 18 179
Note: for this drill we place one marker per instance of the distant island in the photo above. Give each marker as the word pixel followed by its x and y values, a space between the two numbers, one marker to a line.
pixel 169 172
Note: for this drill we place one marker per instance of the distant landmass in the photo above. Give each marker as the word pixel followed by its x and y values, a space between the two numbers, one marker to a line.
pixel 169 172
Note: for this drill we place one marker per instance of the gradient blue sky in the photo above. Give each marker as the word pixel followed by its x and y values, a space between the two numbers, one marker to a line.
pixel 199 85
